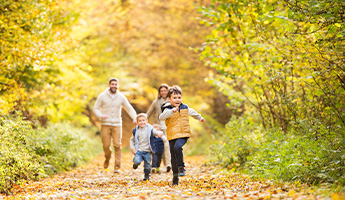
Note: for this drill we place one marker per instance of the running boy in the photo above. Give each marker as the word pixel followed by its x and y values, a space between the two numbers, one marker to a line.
pixel 175 113
pixel 142 144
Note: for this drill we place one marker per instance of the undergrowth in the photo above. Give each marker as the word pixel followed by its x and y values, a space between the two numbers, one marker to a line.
pixel 30 154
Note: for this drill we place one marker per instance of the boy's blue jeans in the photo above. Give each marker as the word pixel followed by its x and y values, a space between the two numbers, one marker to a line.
pixel 176 152
pixel 143 156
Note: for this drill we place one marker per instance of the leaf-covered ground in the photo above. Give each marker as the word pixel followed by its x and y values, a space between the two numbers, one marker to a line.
pixel 202 182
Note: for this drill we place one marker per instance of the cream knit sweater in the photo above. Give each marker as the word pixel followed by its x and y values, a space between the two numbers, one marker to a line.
pixel 110 106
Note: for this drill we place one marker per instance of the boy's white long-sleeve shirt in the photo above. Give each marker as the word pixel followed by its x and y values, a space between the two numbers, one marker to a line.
pixel 191 112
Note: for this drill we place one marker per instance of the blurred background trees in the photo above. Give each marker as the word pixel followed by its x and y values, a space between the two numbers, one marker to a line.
pixel 267 75
pixel 59 56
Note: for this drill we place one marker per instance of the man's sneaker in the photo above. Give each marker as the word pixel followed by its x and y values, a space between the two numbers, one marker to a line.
pixel 175 179
pixel 182 172
pixel 106 164
pixel 135 166
pixel 158 171
pixel 168 168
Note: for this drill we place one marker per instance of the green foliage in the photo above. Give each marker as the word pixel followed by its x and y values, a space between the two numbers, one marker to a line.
pixel 272 153
pixel 288 65
pixel 33 36
pixel 240 139
pixel 285 61
pixel 30 154
pixel 64 147
pixel 18 162
pixel 26 33
pixel 285 156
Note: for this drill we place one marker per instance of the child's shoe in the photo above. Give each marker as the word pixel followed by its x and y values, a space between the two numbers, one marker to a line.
pixel 158 171
pixel 153 170
pixel 146 177
pixel 168 168
pixel 135 166
pixel 147 174
pixel 175 179
pixel 182 171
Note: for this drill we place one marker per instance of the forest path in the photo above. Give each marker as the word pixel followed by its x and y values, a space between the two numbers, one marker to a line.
pixel 91 181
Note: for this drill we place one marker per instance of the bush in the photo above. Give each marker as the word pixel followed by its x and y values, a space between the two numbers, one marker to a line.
pixel 239 140
pixel 30 154
pixel 18 161
pixel 287 156
pixel 64 147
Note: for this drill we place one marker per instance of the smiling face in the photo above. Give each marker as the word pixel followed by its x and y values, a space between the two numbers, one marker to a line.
pixel 163 92
pixel 175 99
pixel 113 86
pixel 142 121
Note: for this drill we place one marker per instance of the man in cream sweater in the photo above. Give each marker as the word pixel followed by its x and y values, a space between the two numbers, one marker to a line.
pixel 108 108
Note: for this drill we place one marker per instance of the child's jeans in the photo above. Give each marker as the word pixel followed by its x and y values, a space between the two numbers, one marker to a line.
pixel 177 153
pixel 143 156
pixel 156 159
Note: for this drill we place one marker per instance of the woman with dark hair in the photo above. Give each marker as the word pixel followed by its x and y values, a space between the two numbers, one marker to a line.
pixel 155 111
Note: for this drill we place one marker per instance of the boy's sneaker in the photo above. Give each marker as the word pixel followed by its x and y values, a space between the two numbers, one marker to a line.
pixel 158 171
pixel 175 179
pixel 117 171
pixel 168 168
pixel 182 171
pixel 147 177
pixel 135 166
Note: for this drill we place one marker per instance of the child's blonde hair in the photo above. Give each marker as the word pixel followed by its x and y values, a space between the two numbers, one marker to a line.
pixel 142 115
pixel 156 126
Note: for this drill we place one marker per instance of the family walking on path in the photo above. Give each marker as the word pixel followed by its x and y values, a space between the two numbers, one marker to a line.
pixel 171 127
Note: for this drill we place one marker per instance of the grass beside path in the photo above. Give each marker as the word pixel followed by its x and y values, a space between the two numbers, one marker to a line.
pixel 91 181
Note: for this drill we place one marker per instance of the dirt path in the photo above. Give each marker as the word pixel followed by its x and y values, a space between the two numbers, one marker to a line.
pixel 202 182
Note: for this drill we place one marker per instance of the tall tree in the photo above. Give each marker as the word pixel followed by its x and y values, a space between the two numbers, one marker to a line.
pixel 284 57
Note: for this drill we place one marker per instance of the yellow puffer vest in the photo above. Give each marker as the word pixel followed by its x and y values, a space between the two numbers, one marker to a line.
pixel 178 123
